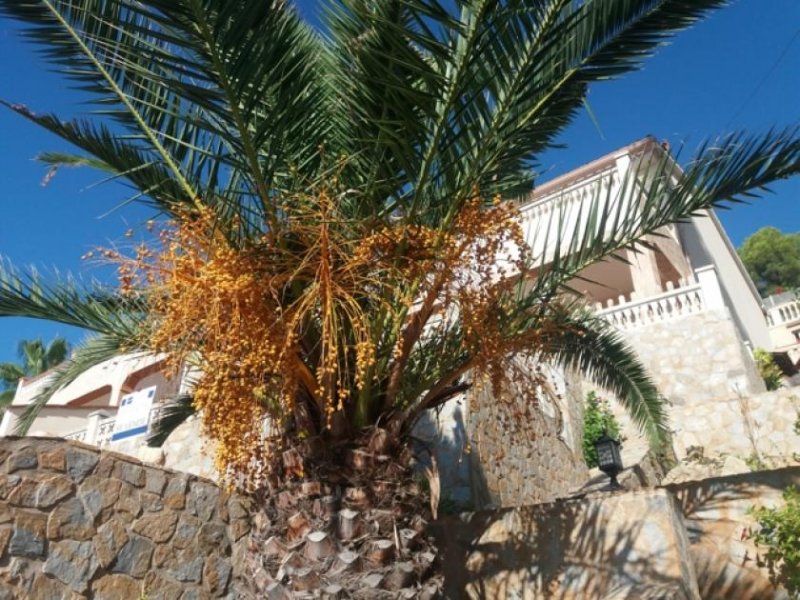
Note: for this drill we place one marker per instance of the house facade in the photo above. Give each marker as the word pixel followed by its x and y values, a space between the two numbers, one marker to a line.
pixel 85 410
pixel 783 319
pixel 684 302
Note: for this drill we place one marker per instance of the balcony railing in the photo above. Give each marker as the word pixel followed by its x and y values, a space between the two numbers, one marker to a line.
pixel 100 427
pixel 671 304
pixel 690 297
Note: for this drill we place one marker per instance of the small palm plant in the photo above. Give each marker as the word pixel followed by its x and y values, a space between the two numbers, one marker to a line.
pixel 36 358
pixel 335 244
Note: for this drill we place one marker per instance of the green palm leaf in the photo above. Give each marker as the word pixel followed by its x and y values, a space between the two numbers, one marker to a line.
pixel 66 301
pixel 593 348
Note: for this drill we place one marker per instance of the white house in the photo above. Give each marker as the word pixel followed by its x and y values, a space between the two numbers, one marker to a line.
pixel 85 409
pixel 783 318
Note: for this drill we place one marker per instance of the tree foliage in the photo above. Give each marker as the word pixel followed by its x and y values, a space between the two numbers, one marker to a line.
pixel 337 244
pixel 36 357
pixel 770 372
pixel 772 259
pixel 778 532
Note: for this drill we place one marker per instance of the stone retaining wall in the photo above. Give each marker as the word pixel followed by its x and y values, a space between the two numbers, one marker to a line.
pixel 689 540
pixel 610 546
pixel 717 515
pixel 513 452
pixel 77 522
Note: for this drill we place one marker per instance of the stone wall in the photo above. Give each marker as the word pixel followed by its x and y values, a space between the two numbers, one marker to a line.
pixel 696 357
pixel 621 545
pixel 759 425
pixel 77 522
pixel 717 516
pixel 716 399
pixel 508 453
pixel 684 540
pixel 529 450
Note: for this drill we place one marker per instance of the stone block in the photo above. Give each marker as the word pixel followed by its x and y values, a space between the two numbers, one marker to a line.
pixel 70 519
pixel 52 490
pixel 188 567
pixel 5 536
pixel 129 502
pixel 202 499
pixel 109 540
pixel 22 458
pixel 151 502
pixel 158 587
pixel 47 587
pixel 99 493
pixel 175 492
pixel 130 473
pixel 239 528
pixel 216 575
pixel 24 493
pixel 185 532
pixel 134 557
pixel 213 537
pixel 80 463
pixel 158 527
pixel 155 480
pixel 73 563
pixel 29 537
pixel 115 587
pixel 53 459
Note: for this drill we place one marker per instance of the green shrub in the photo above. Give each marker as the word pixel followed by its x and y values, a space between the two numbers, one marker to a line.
pixel 769 371
pixel 779 533
pixel 597 419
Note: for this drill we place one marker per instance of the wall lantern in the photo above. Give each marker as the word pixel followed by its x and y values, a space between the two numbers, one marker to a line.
pixel 608 458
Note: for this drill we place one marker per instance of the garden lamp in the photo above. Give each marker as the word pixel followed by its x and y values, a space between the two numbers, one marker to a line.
pixel 609 459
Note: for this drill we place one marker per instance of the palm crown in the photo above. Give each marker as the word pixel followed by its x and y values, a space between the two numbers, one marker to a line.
pixel 333 192
pixel 37 357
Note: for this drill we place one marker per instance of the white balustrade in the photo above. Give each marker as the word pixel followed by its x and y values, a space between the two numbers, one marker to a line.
pixel 671 304
pixel 104 430
pixel 550 220
pixel 100 427
pixel 78 436
pixel 689 297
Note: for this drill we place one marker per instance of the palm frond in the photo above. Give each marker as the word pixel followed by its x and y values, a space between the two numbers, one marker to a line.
pixel 6 398
pixel 171 415
pixel 64 300
pixel 10 374
pixel 226 98
pixel 589 345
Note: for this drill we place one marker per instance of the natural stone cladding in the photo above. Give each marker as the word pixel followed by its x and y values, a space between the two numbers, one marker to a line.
pixel 77 522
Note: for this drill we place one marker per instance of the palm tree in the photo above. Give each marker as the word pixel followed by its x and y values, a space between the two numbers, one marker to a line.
pixel 36 358
pixel 328 203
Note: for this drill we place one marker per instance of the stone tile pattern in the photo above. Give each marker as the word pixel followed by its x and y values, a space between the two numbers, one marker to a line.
pixel 716 400
pixel 188 449
pixel 77 522
pixel 528 450
pixel 607 545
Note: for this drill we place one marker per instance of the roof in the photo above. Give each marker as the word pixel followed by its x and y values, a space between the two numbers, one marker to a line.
pixel 776 300
pixel 591 168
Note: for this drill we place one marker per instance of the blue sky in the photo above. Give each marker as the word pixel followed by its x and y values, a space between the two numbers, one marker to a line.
pixel 723 74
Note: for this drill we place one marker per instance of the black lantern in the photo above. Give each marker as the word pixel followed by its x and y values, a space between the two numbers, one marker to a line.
pixel 608 458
